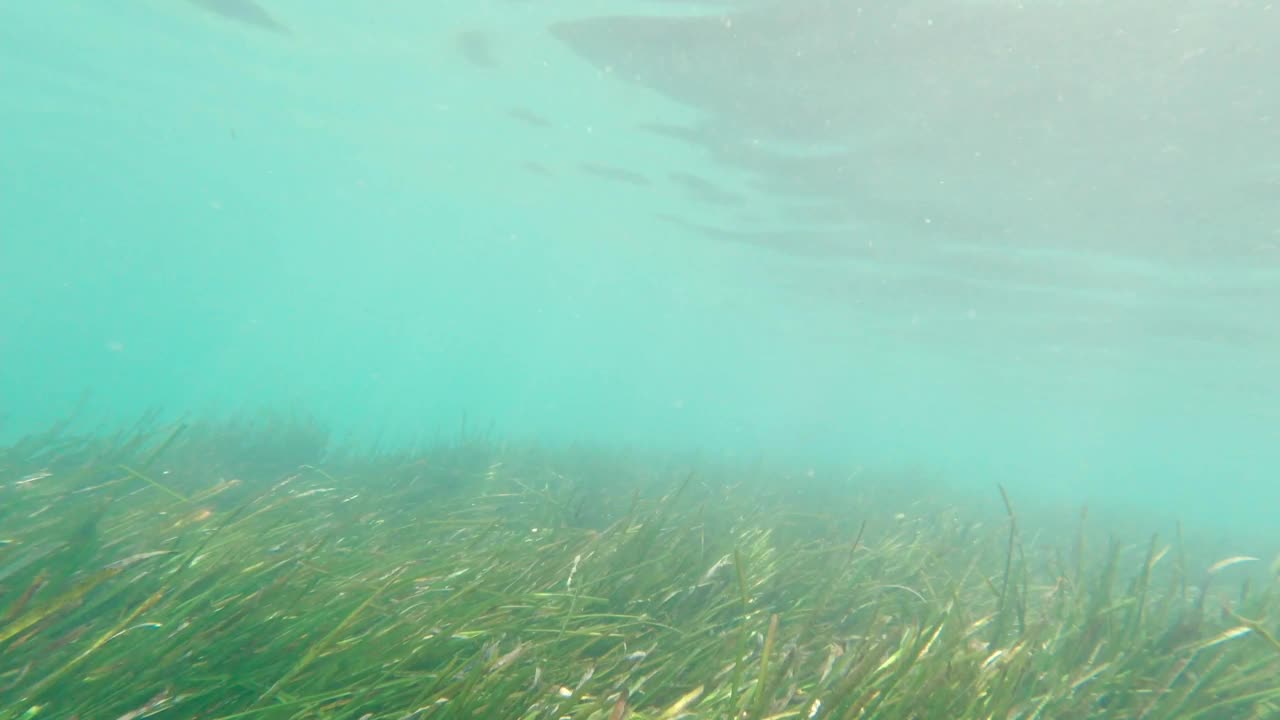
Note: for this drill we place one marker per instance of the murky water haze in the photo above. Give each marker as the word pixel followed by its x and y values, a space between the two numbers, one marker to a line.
pixel 1035 244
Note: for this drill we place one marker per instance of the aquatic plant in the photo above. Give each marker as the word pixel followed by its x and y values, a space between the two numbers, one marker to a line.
pixel 138 578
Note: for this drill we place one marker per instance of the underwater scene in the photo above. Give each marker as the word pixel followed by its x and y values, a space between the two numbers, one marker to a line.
pixel 639 360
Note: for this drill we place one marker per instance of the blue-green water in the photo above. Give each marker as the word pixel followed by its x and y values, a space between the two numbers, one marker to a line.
pixel 1033 245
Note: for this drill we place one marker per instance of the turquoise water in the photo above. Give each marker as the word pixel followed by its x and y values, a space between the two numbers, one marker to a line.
pixel 1035 246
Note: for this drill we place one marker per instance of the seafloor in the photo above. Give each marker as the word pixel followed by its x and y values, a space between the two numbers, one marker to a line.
pixel 252 570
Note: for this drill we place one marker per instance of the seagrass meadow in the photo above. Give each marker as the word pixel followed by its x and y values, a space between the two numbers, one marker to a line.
pixel 226 570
